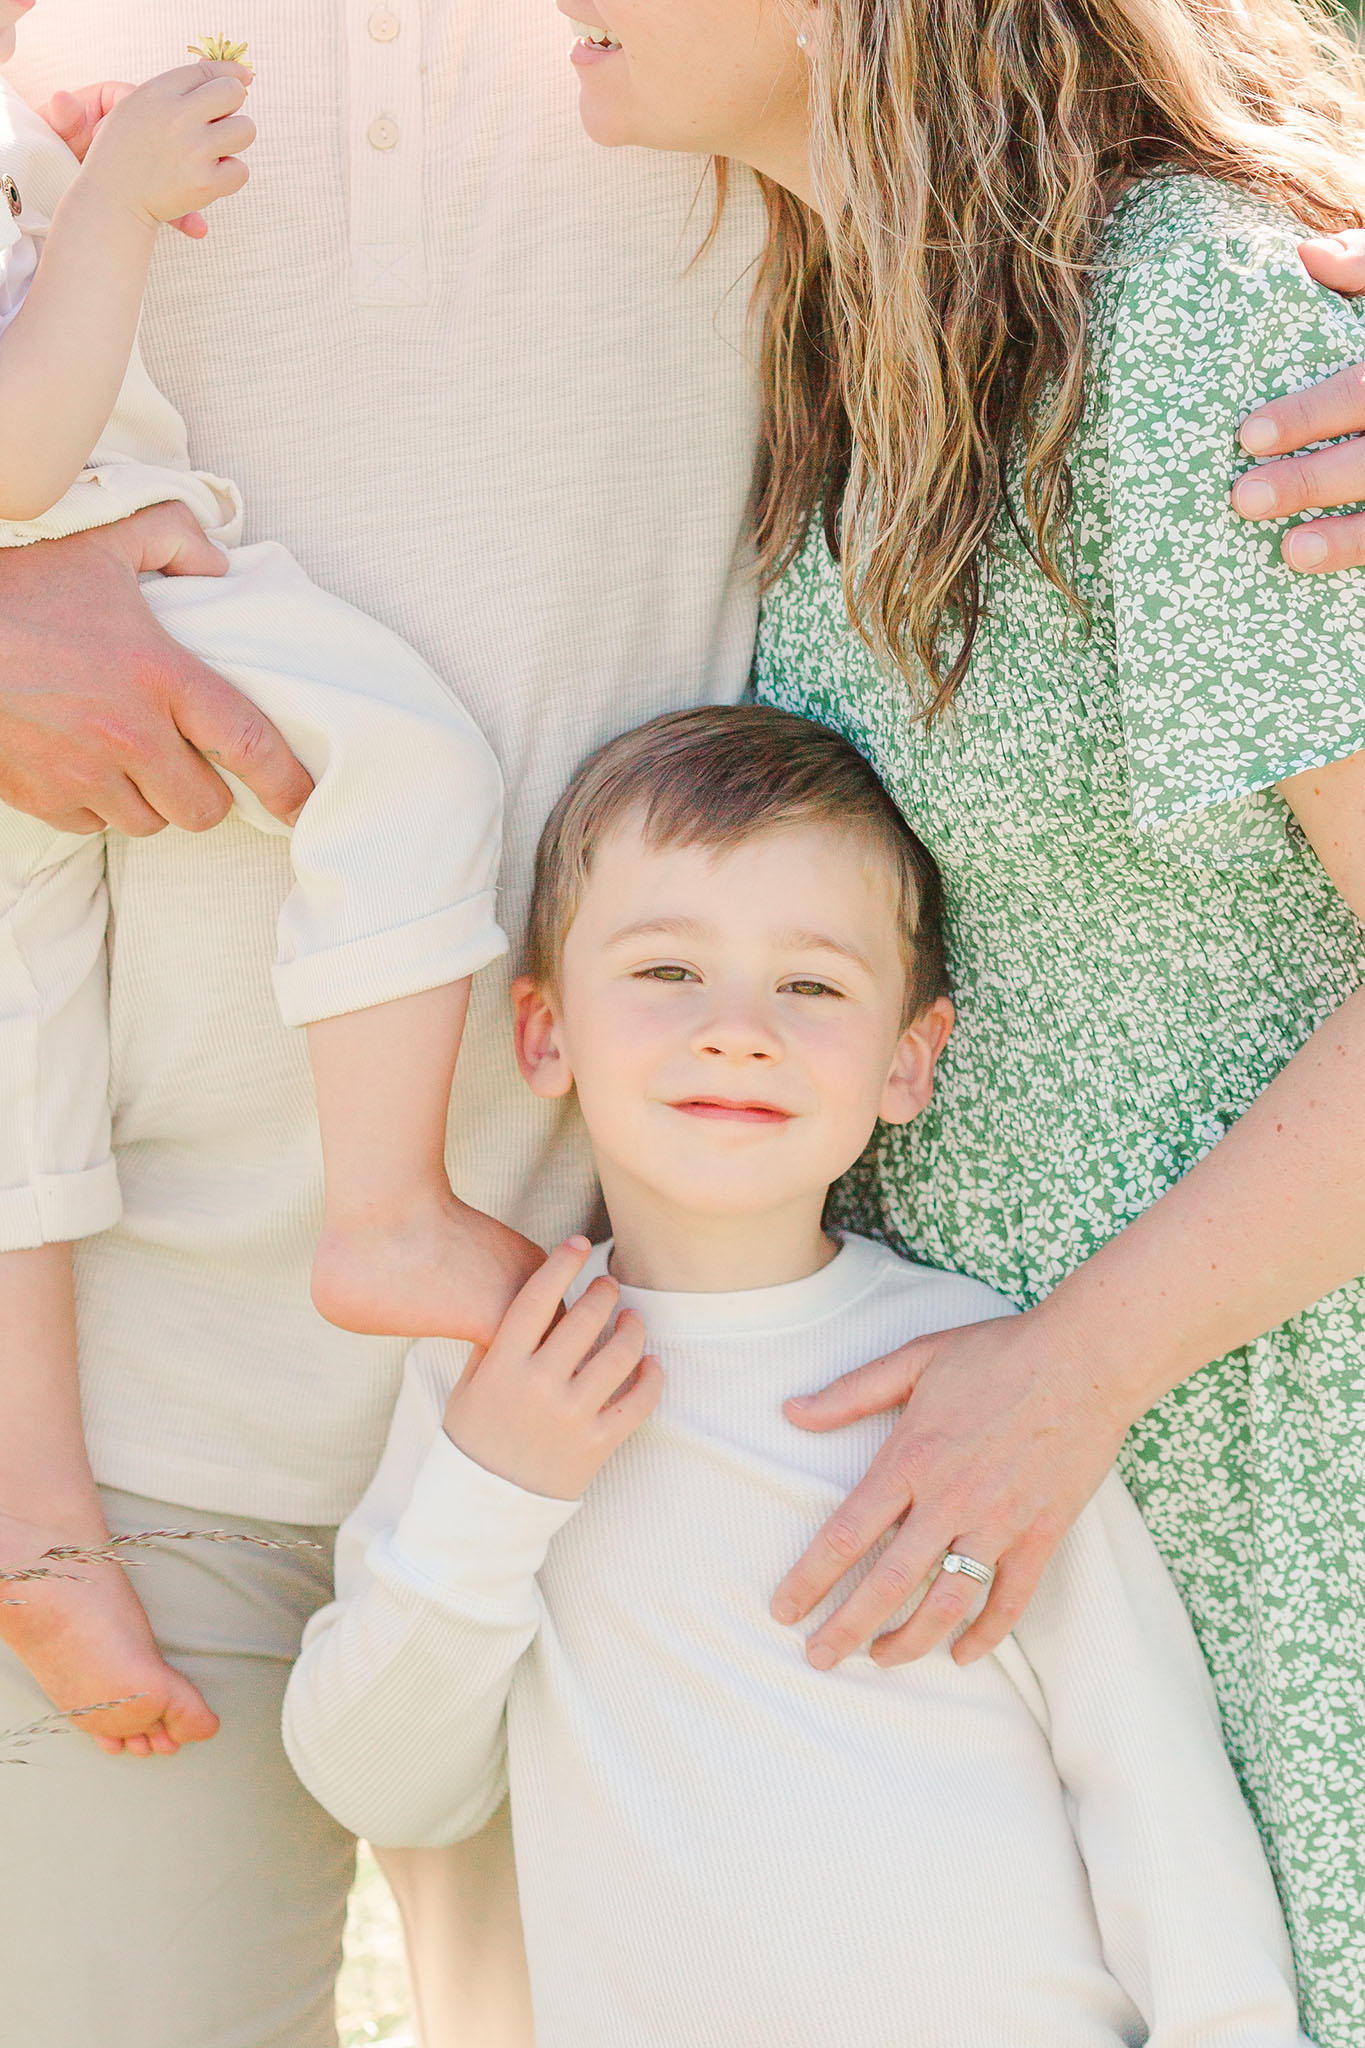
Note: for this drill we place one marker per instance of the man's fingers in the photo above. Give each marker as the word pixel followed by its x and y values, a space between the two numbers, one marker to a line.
pixel 867 1390
pixel 228 729
pixel 1336 406
pixel 124 808
pixel 1322 546
pixel 1338 261
pixel 1302 483
pixel 875 1505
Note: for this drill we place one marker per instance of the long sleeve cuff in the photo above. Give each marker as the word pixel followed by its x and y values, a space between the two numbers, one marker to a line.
pixel 470 1541
pixel 57 1208
pixel 445 947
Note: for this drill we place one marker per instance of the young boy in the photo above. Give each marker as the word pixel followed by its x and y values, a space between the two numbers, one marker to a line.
pixel 560 1575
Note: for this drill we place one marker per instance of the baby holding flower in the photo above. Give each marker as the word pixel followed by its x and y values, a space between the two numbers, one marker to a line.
pixel 394 855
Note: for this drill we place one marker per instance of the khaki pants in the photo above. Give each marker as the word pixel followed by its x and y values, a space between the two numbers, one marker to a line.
pixel 198 1901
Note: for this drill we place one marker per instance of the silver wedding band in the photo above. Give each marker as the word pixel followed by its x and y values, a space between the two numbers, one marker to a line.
pixel 958 1561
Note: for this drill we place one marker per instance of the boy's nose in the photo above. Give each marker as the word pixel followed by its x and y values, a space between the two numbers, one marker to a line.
pixel 737 1035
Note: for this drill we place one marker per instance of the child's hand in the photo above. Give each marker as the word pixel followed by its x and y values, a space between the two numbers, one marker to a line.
pixel 75 116
pixel 170 147
pixel 87 1639
pixel 543 1408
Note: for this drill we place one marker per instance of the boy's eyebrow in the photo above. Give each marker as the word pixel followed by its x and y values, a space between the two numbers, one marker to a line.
pixel 660 927
pixel 691 928
pixel 821 942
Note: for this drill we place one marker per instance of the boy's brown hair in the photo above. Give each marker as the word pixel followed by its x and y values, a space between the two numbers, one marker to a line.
pixel 717 776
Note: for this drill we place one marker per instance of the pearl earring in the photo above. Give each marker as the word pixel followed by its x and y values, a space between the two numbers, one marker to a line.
pixel 802 40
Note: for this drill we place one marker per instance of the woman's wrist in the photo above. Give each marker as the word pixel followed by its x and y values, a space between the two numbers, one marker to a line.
pixel 1107 1357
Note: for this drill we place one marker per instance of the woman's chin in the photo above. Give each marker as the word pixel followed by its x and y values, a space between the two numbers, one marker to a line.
pixel 604 118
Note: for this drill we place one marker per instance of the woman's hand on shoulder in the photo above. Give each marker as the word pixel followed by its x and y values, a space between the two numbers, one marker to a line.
pixel 1003 1439
pixel 1294 484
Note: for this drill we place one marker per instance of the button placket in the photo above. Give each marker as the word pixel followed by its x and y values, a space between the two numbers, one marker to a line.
pixel 386 148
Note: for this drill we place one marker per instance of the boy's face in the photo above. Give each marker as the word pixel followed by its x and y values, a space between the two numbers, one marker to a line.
pixel 732 1019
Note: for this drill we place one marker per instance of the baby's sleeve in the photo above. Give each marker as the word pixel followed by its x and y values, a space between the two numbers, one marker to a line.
pixel 1235 672
pixel 1189 1922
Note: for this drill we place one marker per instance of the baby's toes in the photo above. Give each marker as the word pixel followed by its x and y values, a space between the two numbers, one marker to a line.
pixel 188 1716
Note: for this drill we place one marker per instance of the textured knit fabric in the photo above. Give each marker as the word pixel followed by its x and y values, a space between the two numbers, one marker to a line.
pixel 717 1843
pixel 394 855
pixel 1140 939
pixel 455 358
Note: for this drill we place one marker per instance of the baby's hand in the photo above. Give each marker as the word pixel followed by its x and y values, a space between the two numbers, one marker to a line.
pixel 87 1639
pixel 170 147
pixel 542 1407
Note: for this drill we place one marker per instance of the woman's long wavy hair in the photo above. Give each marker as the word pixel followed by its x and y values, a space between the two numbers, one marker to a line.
pixel 926 329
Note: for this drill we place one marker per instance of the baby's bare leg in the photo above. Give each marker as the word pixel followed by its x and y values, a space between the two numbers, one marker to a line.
pixel 84 1638
pixel 399 1255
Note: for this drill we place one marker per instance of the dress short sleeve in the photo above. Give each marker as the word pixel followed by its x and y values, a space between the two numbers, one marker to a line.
pixel 1234 671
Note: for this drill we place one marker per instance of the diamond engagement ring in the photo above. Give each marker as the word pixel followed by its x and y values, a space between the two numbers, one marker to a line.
pixel 958 1561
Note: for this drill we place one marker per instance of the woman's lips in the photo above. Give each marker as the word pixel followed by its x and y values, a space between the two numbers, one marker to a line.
pixel 734 1112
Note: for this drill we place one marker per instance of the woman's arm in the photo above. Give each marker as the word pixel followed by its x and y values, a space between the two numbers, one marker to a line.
pixel 1009 1427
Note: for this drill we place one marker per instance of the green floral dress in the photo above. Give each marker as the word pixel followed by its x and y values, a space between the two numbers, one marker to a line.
pixel 1140 939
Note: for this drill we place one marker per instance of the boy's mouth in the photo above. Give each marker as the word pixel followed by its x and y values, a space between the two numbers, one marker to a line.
pixel 734 1112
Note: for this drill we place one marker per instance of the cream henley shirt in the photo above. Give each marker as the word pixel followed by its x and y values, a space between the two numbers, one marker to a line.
pixel 717 1844
pixel 454 356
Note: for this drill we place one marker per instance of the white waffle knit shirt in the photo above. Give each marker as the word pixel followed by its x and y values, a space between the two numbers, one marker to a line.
pixel 453 355
pixel 717 1844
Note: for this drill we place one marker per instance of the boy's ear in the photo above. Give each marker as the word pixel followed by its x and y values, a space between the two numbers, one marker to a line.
pixel 911 1080
pixel 544 1068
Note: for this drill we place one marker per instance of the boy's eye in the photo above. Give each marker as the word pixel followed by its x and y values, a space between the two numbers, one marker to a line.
pixel 810 988
pixel 668 972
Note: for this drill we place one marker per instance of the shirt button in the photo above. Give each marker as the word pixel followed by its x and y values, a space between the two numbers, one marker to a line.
pixel 384 25
pixel 382 133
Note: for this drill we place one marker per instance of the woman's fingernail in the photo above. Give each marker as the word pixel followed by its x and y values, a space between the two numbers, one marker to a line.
pixel 1306 550
pixel 784 1611
pixel 1254 498
pixel 821 1656
pixel 1259 436
pixel 578 1244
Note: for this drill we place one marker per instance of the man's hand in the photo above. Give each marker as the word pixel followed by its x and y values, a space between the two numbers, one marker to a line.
pixel 104 718
pixel 76 115
pixel 1329 476
pixel 1000 1447
pixel 543 1407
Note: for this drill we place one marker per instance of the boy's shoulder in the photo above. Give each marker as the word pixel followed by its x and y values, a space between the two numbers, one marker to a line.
pixel 933 1297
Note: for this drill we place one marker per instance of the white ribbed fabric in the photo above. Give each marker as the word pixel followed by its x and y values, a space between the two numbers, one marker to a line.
pixel 718 1844
pixel 453 355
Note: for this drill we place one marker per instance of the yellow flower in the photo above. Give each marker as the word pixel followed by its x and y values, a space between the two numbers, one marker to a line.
pixel 218 50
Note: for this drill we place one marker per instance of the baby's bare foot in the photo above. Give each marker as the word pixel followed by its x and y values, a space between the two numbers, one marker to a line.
pixel 86 1639
pixel 439 1270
